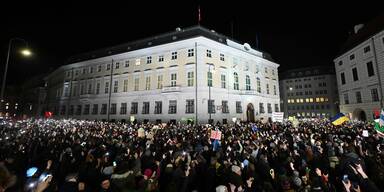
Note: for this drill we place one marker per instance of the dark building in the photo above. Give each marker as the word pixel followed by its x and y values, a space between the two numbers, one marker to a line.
pixel 309 92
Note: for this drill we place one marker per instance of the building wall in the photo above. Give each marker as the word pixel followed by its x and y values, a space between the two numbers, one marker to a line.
pixel 309 96
pixel 365 83
pixel 235 60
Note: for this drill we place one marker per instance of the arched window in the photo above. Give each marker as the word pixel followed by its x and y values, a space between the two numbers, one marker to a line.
pixel 236 81
pixel 247 83
pixel 258 85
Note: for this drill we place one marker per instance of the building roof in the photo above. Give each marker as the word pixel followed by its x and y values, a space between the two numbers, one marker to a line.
pixel 307 72
pixel 173 36
pixel 370 29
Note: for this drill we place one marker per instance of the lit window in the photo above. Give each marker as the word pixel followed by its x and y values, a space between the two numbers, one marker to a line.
pixel 136 87
pixel 173 79
pixel 147 83
pixel 190 78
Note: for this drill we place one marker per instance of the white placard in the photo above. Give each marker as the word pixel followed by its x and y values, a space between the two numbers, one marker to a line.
pixel 277 116
pixel 365 133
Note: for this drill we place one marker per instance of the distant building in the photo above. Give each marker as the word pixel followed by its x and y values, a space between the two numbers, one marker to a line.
pixel 25 100
pixel 309 92
pixel 157 79
pixel 360 71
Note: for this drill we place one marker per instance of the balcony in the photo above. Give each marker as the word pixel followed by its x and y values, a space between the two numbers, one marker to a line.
pixel 249 92
pixel 170 89
pixel 84 96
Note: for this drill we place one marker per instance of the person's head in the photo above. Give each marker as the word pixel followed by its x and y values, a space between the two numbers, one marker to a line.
pixel 105 183
pixel 147 174
pixel 236 169
pixel 81 186
pixel 221 188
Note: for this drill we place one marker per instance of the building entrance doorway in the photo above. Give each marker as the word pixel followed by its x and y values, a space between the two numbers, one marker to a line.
pixel 250 113
pixel 359 114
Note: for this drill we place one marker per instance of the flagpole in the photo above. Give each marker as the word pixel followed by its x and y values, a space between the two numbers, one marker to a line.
pixel 199 16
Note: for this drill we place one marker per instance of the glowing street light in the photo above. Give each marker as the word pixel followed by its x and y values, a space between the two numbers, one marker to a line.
pixel 24 52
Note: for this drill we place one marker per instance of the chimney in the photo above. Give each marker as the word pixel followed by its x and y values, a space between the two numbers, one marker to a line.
pixel 358 27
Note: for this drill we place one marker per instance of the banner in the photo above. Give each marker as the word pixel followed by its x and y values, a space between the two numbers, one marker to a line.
pixel 379 123
pixel 216 134
pixel 132 118
pixel 277 116
pixel 339 119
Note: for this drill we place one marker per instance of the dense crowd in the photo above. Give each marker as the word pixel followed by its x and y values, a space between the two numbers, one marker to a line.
pixel 74 155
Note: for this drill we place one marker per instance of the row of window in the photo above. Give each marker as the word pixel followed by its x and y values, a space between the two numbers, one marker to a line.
pixel 88 89
pixel 355 74
pixel 191 53
pixel 309 107
pixel 308 100
pixel 309 114
pixel 374 96
pixel 172 109
pixel 319 92
pixel 366 49
pixel 352 56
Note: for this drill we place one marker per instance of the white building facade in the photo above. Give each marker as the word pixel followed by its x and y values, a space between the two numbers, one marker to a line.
pixel 182 75
pixel 309 92
pixel 360 74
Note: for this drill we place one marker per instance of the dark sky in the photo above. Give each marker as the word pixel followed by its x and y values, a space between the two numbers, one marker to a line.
pixel 295 35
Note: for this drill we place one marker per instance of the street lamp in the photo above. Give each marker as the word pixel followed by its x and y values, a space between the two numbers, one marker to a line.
pixel 25 52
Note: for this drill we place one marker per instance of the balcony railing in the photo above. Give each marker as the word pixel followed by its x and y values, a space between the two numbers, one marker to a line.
pixel 169 89
pixel 249 92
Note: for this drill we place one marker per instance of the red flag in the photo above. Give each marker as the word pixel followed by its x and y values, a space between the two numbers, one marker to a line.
pixel 48 114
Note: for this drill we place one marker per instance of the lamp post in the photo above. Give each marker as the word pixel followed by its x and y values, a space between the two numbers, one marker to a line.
pixel 25 52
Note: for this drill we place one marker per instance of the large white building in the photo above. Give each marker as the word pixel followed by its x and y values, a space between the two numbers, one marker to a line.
pixel 309 92
pixel 360 71
pixel 185 74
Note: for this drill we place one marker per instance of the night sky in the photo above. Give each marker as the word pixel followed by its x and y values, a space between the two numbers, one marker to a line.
pixel 295 35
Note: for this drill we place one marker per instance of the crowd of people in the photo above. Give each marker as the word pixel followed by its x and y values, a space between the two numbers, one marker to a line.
pixel 76 155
